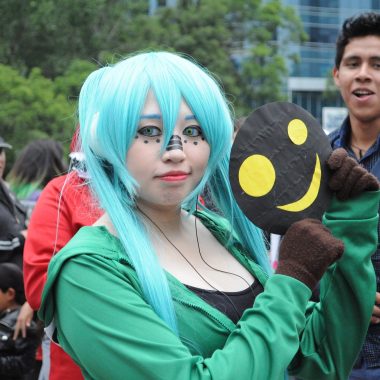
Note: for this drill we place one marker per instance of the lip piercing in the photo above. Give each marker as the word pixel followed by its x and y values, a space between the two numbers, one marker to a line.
pixel 175 142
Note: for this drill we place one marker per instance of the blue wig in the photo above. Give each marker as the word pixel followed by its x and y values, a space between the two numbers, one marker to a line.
pixel 110 105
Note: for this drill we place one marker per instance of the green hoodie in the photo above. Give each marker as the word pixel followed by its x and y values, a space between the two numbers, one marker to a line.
pixel 93 296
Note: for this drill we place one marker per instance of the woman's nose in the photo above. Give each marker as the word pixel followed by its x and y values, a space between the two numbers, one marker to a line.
pixel 174 150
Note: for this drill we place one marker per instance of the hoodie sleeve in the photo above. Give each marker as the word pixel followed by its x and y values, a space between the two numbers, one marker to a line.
pixel 336 326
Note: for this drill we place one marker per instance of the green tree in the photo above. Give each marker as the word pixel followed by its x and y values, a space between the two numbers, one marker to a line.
pixel 69 83
pixel 264 30
pixel 49 34
pixel 30 108
pixel 243 42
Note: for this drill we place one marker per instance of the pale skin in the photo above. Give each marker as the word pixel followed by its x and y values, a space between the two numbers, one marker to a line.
pixel 23 320
pixel 165 179
pixel 358 78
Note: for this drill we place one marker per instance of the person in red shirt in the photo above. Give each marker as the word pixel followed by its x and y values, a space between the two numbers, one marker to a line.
pixel 65 205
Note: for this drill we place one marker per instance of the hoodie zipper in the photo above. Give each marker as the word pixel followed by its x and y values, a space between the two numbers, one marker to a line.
pixel 202 310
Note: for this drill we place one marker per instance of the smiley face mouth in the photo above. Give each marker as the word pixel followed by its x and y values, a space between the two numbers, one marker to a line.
pixel 311 194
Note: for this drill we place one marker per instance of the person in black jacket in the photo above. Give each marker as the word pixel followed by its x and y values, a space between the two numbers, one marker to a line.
pixel 17 357
pixel 12 218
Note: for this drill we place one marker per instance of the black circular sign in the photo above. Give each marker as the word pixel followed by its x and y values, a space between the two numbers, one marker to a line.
pixel 278 172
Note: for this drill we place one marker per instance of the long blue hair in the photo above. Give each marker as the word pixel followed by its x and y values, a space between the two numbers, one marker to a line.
pixel 110 104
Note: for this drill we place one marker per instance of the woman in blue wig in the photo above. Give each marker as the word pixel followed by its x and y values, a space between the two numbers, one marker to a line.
pixel 157 289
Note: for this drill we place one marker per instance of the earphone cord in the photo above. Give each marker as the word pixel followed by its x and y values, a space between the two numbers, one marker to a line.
pixel 210 266
pixel 192 266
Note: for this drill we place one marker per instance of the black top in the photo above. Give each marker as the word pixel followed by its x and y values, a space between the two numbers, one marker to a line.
pixel 17 357
pixel 232 304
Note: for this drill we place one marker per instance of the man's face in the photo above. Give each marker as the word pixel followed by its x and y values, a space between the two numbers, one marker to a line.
pixel 3 161
pixel 358 78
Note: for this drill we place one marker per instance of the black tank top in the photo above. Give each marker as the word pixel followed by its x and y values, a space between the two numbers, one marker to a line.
pixel 232 304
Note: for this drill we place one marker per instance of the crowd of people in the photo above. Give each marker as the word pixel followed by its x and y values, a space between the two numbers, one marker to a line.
pixel 136 262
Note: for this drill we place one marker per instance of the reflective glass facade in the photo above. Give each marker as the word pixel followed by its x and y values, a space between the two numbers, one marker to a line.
pixel 322 20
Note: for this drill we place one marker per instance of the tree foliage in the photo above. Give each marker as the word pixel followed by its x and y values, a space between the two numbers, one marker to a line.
pixel 48 48
pixel 31 108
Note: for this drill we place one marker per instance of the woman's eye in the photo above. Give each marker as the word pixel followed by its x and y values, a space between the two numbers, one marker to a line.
pixel 150 131
pixel 192 131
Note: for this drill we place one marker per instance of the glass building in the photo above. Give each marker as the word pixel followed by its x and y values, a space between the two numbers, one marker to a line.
pixel 322 20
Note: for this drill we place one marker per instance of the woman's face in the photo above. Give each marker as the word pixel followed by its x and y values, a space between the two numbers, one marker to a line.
pixel 166 179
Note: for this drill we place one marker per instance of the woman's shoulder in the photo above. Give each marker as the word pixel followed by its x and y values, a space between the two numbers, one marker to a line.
pixel 91 240
pixel 214 222
pixel 91 248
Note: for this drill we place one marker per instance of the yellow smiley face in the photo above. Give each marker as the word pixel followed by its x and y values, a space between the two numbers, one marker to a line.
pixel 257 174
pixel 277 160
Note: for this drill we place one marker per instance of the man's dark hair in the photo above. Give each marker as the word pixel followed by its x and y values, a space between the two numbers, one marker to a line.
pixel 362 25
pixel 11 277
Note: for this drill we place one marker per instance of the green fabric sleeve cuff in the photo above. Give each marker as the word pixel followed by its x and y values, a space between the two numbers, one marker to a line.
pixel 364 206
pixel 288 287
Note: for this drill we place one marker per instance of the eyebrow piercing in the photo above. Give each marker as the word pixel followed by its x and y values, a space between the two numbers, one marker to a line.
pixel 175 142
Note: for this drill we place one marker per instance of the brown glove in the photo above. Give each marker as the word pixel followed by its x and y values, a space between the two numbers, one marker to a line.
pixel 307 250
pixel 349 179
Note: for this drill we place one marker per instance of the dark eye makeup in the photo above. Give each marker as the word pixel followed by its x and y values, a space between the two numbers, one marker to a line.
pixel 192 131
pixel 150 131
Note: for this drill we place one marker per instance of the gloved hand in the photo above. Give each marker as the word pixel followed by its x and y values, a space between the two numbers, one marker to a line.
pixel 349 178
pixel 307 250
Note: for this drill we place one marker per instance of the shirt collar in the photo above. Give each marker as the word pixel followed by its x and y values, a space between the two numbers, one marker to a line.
pixel 344 135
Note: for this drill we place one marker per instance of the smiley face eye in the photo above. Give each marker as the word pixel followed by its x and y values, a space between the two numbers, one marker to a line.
pixel 257 175
pixel 297 131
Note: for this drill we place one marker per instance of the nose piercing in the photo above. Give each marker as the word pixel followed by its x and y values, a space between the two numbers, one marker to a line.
pixel 175 142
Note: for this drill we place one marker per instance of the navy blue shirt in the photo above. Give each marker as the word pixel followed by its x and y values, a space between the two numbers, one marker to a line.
pixel 340 138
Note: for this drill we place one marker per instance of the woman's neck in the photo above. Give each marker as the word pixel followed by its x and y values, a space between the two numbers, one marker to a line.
pixel 166 217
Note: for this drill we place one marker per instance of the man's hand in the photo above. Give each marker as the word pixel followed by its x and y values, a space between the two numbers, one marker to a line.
pixel 348 178
pixel 375 319
pixel 23 320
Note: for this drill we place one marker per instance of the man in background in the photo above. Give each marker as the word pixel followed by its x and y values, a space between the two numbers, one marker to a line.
pixel 357 75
